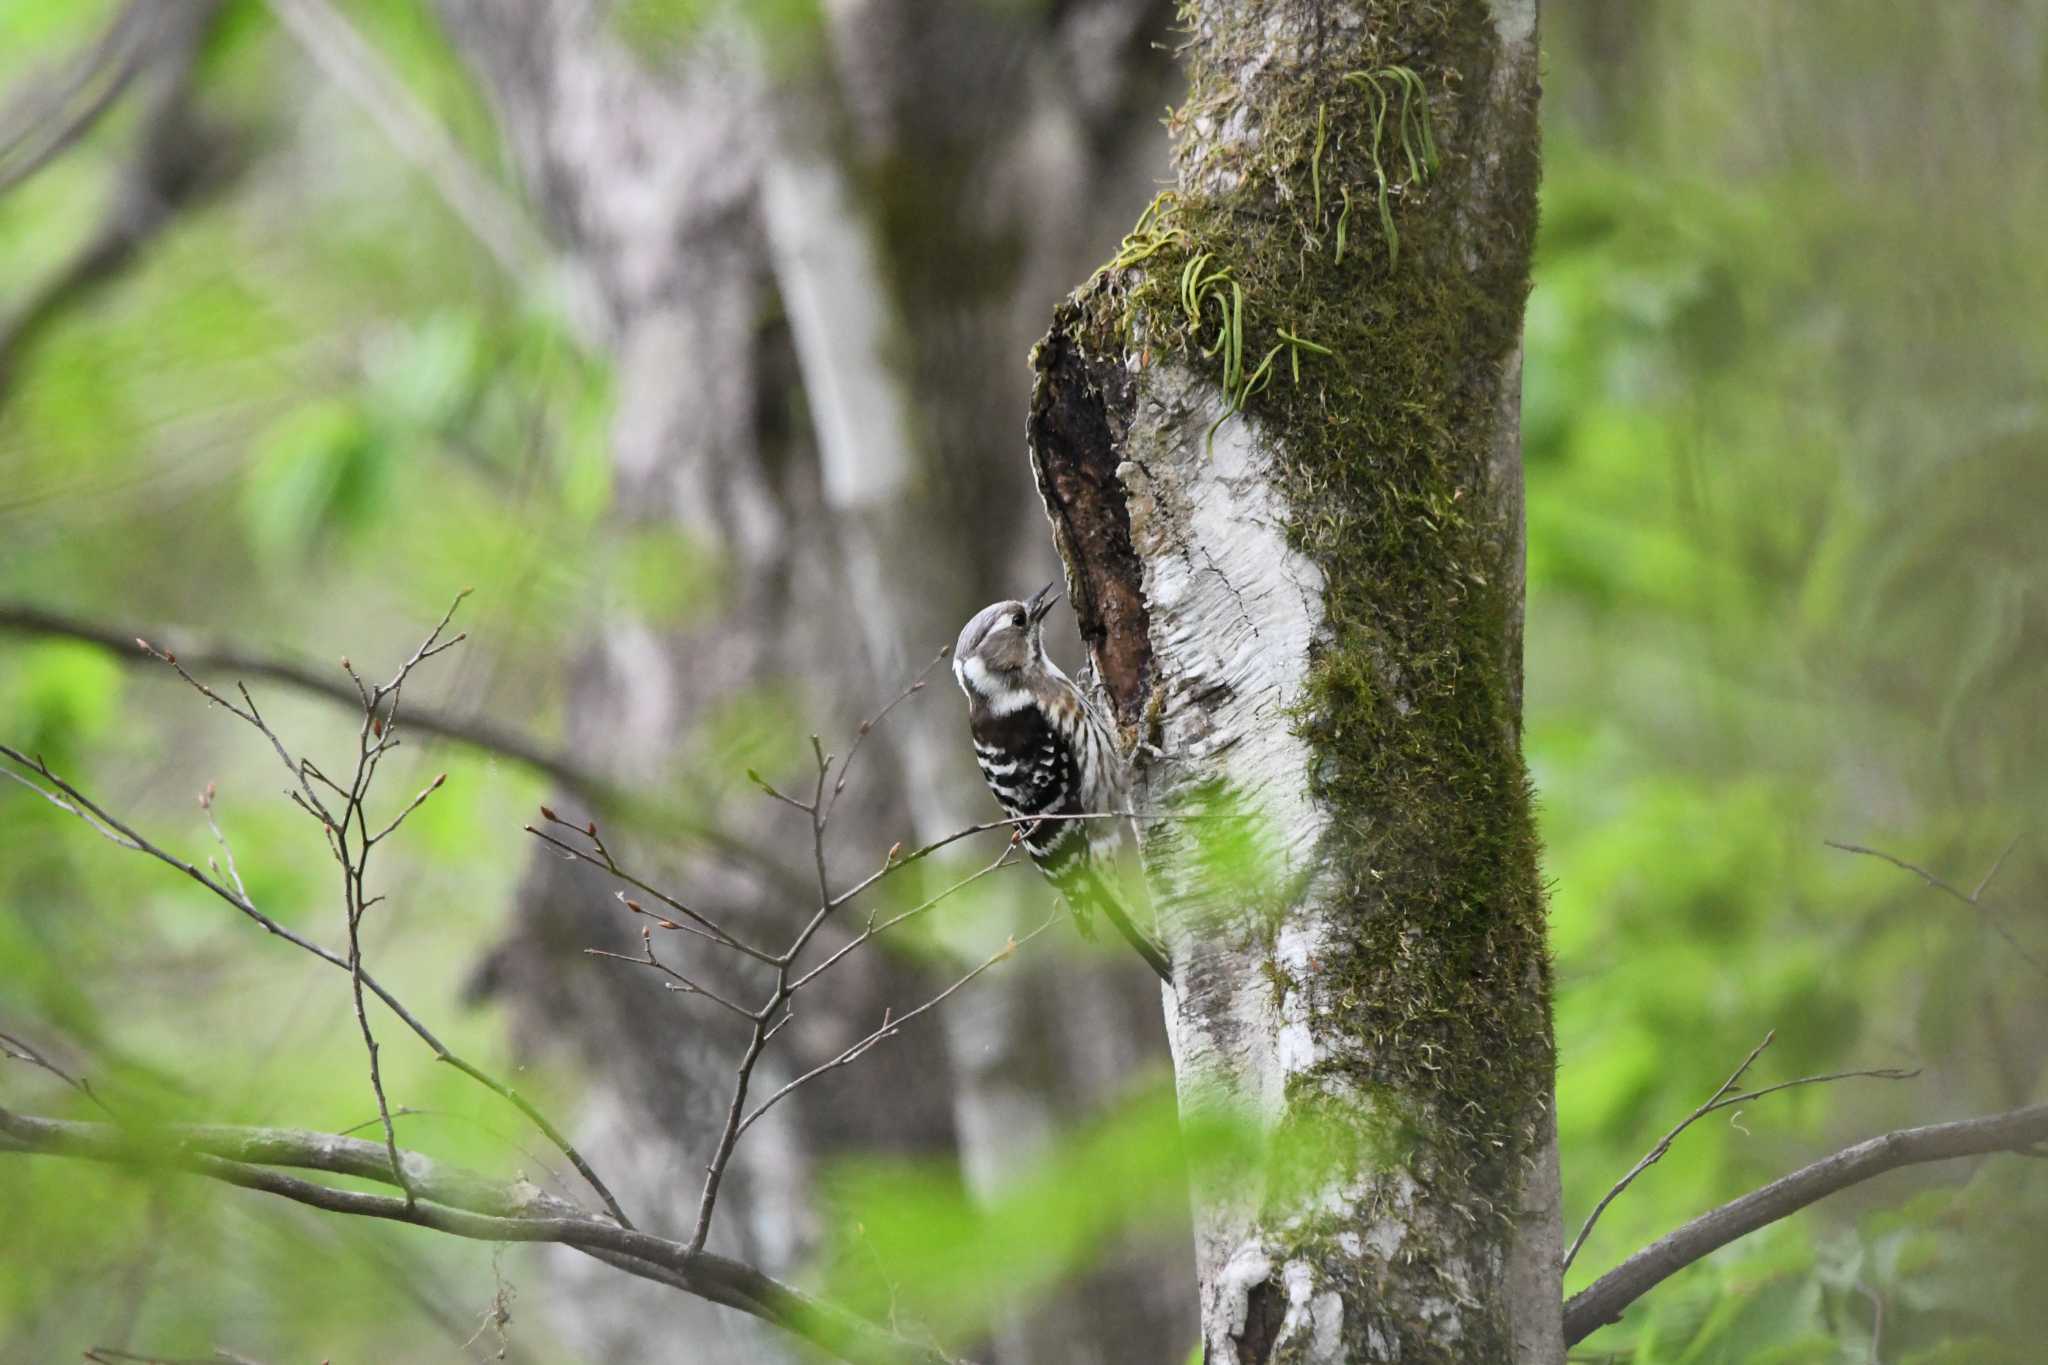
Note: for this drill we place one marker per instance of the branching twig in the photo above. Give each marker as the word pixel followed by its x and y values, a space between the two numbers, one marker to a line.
pixel 348 835
pixel 1723 1098
pixel 463 1204
pixel 200 655
pixel 676 980
pixel 14 1049
pixel 600 856
pixel 583 842
pixel 1602 1302
pixel 375 738
pixel 1973 899
pixel 890 1026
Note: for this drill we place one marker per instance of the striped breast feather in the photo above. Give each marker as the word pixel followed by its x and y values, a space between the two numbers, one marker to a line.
pixel 1055 845
pixel 1026 763
pixel 1031 787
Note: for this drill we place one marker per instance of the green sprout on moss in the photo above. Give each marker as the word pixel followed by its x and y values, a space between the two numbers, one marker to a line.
pixel 1413 130
pixel 1398 104
pixel 1315 163
pixel 1150 235
pixel 1201 283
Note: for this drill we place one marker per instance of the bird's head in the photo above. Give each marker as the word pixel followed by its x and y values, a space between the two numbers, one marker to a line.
pixel 1001 643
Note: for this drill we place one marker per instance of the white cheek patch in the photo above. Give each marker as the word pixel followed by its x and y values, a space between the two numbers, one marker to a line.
pixel 1000 697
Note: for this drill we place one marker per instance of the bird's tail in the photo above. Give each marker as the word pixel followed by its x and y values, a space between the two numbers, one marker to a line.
pixel 1086 889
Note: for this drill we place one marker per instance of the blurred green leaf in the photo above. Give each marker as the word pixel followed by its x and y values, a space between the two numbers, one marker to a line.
pixel 422 378
pixel 317 469
pixel 56 696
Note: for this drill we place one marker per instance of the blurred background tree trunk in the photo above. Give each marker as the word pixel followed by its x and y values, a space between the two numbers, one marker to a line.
pixel 820 370
pixel 1305 592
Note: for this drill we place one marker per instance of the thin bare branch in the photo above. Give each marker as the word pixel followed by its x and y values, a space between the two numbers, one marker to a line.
pixel 17 1049
pixel 92 821
pixel 1722 1098
pixel 675 978
pixel 462 1204
pixel 603 859
pixel 227 851
pixel 729 1131
pixel 1007 858
pixel 868 726
pixel 892 867
pixel 1996 864
pixel 248 907
pixel 890 1027
pixel 1877 1073
pixel 1602 1302
pixel 412 806
pixel 1973 899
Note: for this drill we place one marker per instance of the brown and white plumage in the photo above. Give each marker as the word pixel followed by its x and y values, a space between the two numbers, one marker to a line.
pixel 1044 751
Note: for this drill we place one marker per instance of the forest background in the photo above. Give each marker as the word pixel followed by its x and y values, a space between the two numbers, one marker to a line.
pixel 1787 456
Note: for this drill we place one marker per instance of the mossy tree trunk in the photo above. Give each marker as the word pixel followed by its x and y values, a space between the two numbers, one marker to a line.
pixel 1278 442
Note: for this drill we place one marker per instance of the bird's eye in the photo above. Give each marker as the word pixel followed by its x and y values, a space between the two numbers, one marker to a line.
pixel 1017 619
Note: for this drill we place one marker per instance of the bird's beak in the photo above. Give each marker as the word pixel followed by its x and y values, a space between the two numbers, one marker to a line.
pixel 1042 602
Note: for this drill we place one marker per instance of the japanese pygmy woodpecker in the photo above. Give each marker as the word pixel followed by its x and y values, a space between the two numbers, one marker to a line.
pixel 1045 752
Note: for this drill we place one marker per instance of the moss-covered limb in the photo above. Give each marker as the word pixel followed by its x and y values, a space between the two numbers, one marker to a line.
pixel 1331 586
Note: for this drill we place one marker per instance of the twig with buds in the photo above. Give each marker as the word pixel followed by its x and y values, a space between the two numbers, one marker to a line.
pixel 583 842
pixel 341 810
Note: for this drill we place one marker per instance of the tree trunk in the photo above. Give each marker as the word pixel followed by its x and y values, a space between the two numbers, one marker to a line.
pixel 1309 613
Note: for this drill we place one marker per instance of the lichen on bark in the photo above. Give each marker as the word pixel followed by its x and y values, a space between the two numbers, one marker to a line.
pixel 1409 984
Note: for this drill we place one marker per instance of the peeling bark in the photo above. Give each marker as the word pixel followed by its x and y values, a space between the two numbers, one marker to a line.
pixel 1312 610
pixel 1080 415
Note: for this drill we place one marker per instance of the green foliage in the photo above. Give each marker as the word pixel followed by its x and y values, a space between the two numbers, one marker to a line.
pixel 60 696
pixel 912 1243
pixel 1779 447
pixel 319 467
pixel 1785 456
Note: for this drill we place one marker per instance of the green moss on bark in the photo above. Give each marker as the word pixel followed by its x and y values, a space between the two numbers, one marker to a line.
pixel 1386 449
